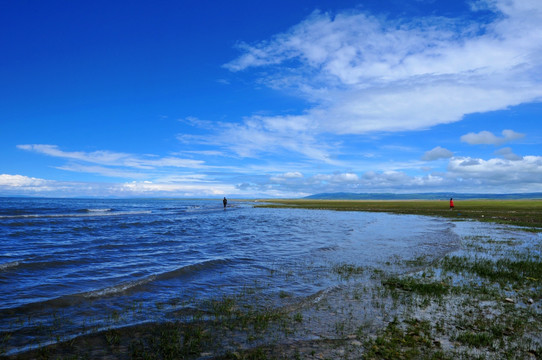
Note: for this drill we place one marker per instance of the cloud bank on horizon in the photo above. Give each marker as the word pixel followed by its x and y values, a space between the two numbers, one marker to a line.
pixel 384 103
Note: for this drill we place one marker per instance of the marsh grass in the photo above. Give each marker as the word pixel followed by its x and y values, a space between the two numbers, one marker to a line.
pixel 424 288
pixel 476 339
pixel 514 212
pixel 112 337
pixel 524 269
pixel 346 271
pixel 409 339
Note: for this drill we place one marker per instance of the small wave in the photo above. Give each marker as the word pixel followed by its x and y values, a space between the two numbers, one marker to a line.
pixel 8 265
pixel 133 285
pixel 85 214
pixel 117 289
pixel 39 266
pixel 193 268
pixel 328 248
pixel 95 210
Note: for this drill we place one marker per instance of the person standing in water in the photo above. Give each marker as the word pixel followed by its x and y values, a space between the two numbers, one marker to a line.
pixel 225 202
pixel 451 203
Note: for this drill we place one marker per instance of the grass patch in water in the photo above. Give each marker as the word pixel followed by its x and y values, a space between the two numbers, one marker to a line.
pixel 395 342
pixel 523 269
pixel 476 339
pixel 417 286
pixel 346 271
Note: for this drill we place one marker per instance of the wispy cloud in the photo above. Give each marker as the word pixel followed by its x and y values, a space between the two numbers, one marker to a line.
pixel 103 171
pixel 112 159
pixel 257 136
pixel 97 157
pixel 371 74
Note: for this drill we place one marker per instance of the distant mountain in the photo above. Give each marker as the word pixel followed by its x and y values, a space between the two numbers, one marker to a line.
pixel 419 196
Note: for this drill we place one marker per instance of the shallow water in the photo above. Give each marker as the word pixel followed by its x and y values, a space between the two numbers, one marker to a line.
pixel 69 267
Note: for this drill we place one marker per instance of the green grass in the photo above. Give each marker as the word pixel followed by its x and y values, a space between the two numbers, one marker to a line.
pixel 522 269
pixel 476 339
pixel 346 271
pixel 417 286
pixel 515 212
pixel 413 342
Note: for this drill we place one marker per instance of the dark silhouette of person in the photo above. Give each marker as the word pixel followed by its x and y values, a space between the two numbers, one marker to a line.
pixel 451 203
pixel 225 202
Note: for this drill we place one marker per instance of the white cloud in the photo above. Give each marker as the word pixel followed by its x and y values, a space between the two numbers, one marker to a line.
pixel 401 182
pixel 437 153
pixel 508 174
pixel 293 175
pixel 337 178
pixel 288 176
pixel 367 74
pixel 187 186
pixel 20 181
pixel 29 186
pixel 488 138
pixel 145 188
pixel 508 154
pixel 464 174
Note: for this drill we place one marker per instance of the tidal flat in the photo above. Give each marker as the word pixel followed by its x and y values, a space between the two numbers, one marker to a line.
pixel 480 300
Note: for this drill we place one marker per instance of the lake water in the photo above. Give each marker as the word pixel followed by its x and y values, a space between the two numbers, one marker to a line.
pixel 72 266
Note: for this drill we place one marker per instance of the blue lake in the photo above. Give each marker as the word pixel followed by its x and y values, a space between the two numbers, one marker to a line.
pixel 72 266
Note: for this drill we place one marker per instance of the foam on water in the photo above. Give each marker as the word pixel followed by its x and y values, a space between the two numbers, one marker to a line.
pixel 7 265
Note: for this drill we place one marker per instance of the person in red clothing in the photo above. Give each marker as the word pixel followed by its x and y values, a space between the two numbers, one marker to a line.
pixel 451 203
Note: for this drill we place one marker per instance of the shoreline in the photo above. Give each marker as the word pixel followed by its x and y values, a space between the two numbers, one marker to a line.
pixel 450 308
pixel 527 213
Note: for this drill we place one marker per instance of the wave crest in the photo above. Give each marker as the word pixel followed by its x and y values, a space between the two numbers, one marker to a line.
pixel 11 264
pixel 135 285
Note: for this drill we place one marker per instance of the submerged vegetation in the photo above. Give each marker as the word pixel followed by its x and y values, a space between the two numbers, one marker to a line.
pixel 483 301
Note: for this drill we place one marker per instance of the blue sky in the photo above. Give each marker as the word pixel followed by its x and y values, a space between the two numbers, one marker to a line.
pixel 250 99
